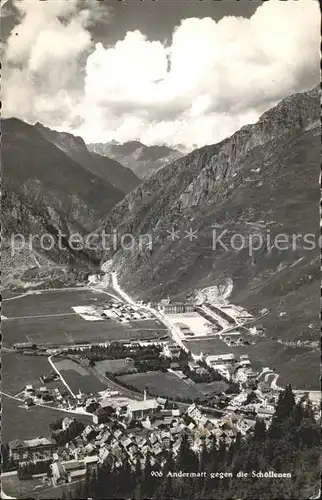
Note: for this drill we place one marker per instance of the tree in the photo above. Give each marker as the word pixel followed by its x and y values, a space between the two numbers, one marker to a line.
pixel 260 430
pixel 250 397
pixel 233 388
pixel 148 480
pixel 221 452
pixel 169 465
pixel 204 458
pixel 165 489
pixel 285 404
pixel 56 425
pixel 186 459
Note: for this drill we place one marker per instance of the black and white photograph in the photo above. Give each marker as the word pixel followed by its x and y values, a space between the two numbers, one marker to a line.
pixel 160 249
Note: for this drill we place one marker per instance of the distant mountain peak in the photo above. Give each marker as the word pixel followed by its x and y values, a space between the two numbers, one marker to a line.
pixel 141 159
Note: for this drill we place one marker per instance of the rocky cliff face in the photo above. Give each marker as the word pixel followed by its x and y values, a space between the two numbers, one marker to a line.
pixel 142 160
pixel 261 182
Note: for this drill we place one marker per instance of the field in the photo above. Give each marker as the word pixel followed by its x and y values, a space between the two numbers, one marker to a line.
pixel 77 377
pixel 163 384
pixel 8 294
pixel 17 421
pixel 290 362
pixel 114 366
pixel 15 488
pixel 47 318
pixel 19 370
pixel 22 423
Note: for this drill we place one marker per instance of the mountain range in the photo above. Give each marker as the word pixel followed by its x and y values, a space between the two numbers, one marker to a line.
pixel 143 160
pixel 262 180
pixel 51 183
pixel 104 166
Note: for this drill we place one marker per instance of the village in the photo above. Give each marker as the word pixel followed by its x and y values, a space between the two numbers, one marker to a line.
pixel 128 399
pixel 122 427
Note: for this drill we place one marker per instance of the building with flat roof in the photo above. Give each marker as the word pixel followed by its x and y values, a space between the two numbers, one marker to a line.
pixel 23 345
pixel 177 308
pixel 70 470
pixel 220 359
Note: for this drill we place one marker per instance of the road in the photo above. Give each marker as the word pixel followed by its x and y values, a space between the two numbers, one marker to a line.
pixel 114 385
pixel 100 289
pixel 175 332
pixel 129 300
pixel 52 364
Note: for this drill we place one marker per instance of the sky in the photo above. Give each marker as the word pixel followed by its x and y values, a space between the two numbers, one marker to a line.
pixel 181 72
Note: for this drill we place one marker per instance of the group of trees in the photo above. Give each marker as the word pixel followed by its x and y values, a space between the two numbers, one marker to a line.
pixel 7 463
pixel 202 378
pixel 290 445
pixel 117 350
pixel 152 364
pixel 57 425
pixel 63 437
pixel 27 470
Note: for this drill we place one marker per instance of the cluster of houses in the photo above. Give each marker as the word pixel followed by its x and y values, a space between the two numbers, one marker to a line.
pixel 124 312
pixel 135 428
pixel 49 377
pixel 43 395
pixel 126 429
pixel 232 369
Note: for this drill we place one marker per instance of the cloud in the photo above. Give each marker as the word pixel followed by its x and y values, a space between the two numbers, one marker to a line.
pixel 42 59
pixel 5 10
pixel 202 85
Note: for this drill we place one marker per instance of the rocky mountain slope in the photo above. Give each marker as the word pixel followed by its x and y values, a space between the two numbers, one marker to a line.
pixel 25 261
pixel 264 180
pixel 142 160
pixel 106 168
pixel 44 191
